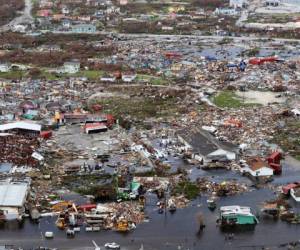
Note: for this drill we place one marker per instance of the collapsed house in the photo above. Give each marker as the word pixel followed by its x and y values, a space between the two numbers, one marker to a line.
pixel 205 147
pixel 257 168
pixel 18 149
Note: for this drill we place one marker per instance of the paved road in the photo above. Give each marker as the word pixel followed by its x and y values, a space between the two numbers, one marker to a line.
pixel 24 18
pixel 174 37
pixel 171 37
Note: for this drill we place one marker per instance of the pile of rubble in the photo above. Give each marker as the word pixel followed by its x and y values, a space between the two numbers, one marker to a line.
pixel 127 210
pixel 18 149
pixel 250 126
pixel 226 188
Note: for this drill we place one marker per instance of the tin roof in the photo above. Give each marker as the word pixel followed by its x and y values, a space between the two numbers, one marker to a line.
pixel 13 195
pixel 20 125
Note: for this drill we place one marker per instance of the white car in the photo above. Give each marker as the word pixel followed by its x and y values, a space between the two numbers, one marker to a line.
pixel 112 245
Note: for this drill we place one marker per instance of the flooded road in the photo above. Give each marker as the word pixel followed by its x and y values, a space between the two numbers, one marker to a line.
pixel 178 230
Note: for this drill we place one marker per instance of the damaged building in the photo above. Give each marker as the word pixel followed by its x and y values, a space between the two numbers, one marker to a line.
pixel 205 147
pixel 13 196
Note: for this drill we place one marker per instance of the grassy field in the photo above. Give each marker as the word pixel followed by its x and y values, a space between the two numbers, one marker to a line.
pixel 154 80
pixel 91 75
pixel 228 99
pixel 12 75
pixel 139 108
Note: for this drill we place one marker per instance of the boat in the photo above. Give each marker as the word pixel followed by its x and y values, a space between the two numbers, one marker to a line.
pixel 236 216
pixel 70 233
pixel 211 203
pixel 286 190
pixel 49 235
pixel 295 193
pixel 171 206
pixel 112 245
pixel 270 209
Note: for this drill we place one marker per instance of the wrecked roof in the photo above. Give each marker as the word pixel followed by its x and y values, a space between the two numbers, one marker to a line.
pixel 256 163
pixel 13 195
pixel 203 142
pixel 200 143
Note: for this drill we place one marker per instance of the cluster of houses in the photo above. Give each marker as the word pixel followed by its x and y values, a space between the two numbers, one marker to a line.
pixel 205 148
pixel 235 7
pixel 65 14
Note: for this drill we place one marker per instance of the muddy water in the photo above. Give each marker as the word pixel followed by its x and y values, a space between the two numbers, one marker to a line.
pixel 178 230
pixel 260 97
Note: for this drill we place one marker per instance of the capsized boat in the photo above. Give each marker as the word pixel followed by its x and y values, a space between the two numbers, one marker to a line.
pixel 236 215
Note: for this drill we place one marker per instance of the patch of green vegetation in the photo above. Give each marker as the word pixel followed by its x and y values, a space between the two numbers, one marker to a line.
pixel 139 107
pixel 228 99
pixel 225 40
pixel 154 80
pixel 13 75
pixel 187 188
pixel 90 74
pixel 271 18
pixel 251 52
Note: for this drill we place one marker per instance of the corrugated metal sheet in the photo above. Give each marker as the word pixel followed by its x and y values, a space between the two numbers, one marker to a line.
pixel 20 125
pixel 13 195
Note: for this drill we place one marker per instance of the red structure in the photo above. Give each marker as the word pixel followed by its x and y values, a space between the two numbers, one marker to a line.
pixel 97 107
pixel 172 55
pixel 259 61
pixel 46 134
pixel 275 157
pixel 110 120
pixel 274 162
pixel 87 207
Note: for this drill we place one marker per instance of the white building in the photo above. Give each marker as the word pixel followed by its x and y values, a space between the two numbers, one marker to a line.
pixel 237 3
pixel 65 10
pixel 22 127
pixel 71 67
pixel 226 11
pixel 4 67
pixel 272 3
pixel 13 196
pixel 108 79
pixel 128 77
pixel 257 167
pixel 296 2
